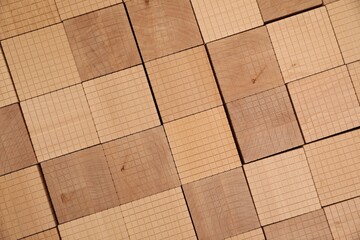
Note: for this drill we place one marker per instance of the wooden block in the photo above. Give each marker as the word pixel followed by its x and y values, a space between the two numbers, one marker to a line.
pixel 325 103
pixel 325 2
pixel 245 64
pixel 59 123
pixel 17 17
pixel 282 186
pixel 256 234
pixel 161 216
pixel 121 103
pixel 80 184
pixel 221 205
pixel 183 84
pixel 163 27
pixel 7 91
pixel 41 61
pixel 265 124
pixel 345 18
pixel 102 42
pixel 305 44
pixel 105 225
pixel 141 164
pixel 24 207
pixel 309 226
pixel 222 18
pixel 51 234
pixel 202 145
pixel 335 166
pixel 354 70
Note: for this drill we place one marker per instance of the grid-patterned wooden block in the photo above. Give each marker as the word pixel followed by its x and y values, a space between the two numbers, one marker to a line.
pixel 59 122
pixel 7 91
pixel 163 27
pixel 221 18
pixel 309 226
pixel 24 207
pixel 335 166
pixel 141 164
pixel 282 186
pixel 41 61
pixel 325 2
pixel 325 103
pixel 102 42
pixel 17 17
pixel 345 17
pixel 121 103
pixel 160 216
pixel 202 145
pixel 354 70
pixel 51 234
pixel 105 225
pixel 265 124
pixel 80 184
pixel 256 234
pixel 183 84
pixel 221 205
pixel 305 44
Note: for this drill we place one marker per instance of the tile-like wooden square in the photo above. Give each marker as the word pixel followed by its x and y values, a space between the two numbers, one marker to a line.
pixel 51 234
pixel 256 234
pixel 325 2
pixel 7 91
pixel 354 70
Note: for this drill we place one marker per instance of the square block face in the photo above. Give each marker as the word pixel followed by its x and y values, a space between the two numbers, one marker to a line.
pixel 345 18
pixel 80 184
pixel 17 17
pixel 121 103
pixel 59 122
pixel 245 64
pixel 7 91
pixel 51 234
pixel 282 186
pixel 329 1
pixel 354 70
pixel 161 216
pixel 15 145
pixel 202 145
pixel 41 61
pixel 102 42
pixel 309 226
pixel 141 165
pixel 105 225
pixel 335 166
pixel 221 18
pixel 221 205
pixel 265 124
pixel 325 103
pixel 256 234
pixel 305 44
pixel 183 84
pixel 163 27
pixel 24 207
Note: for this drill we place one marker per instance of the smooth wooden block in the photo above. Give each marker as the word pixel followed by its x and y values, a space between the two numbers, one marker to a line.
pixel 325 2
pixel 256 234
pixel 24 207
pixel 221 205
pixel 221 18
pixel 305 44
pixel 183 84
pixel 163 27
pixel 121 103
pixel 161 216
pixel 265 124
pixel 51 234
pixel 325 103
pixel 282 186
pixel 102 42
pixel 245 64
pixel 41 61
pixel 335 166
pixel 7 91
pixel 202 145
pixel 354 70
pixel 59 123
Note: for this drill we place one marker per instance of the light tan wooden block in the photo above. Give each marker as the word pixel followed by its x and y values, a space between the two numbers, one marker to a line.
pixel 121 103
pixel 354 70
pixel 256 234
pixel 202 145
pixel 160 216
pixel 325 2
pixel 221 205
pixel 59 122
pixel 305 44
pixel 335 166
pixel 345 18
pixel 183 84
pixel 51 234
pixel 7 91
pixel 41 61
pixel 24 207
pixel 282 186
pixel 221 18
pixel 325 103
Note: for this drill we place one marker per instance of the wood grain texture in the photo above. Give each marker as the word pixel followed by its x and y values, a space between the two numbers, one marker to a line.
pixel 256 234
pixel 354 70
pixel 325 2
pixel 7 91
pixel 51 234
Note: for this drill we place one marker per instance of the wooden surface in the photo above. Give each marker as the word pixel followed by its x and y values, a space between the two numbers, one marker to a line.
pixel 51 234
pixel 256 234
pixel 7 91
pixel 354 70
